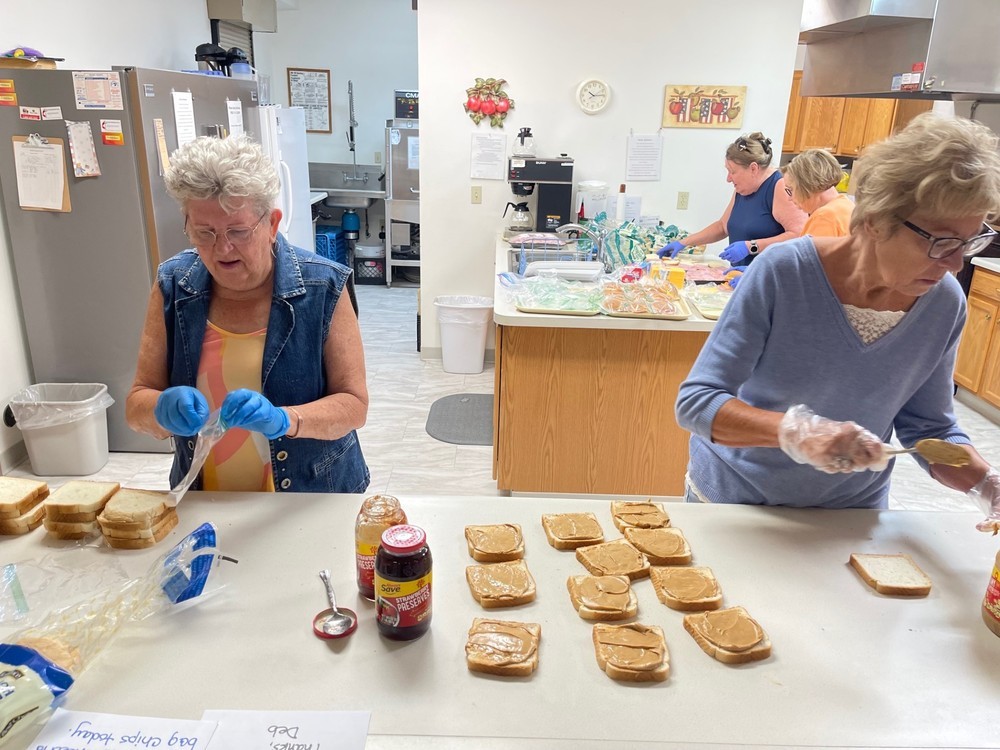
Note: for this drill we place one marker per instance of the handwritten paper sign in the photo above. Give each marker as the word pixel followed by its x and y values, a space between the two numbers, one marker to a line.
pixel 289 730
pixel 82 730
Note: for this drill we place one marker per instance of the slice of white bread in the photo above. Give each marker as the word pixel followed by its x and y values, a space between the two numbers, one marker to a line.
pixel 572 530
pixel 505 584
pixel 688 589
pixel 132 510
pixel 159 531
pixel 19 495
pixel 77 497
pixel 660 546
pixel 730 635
pixel 605 598
pixel 615 558
pixel 894 575
pixel 501 542
pixel 169 518
pixel 503 647
pixel 72 517
pixel 30 519
pixel 632 652
pixel 647 515
pixel 70 529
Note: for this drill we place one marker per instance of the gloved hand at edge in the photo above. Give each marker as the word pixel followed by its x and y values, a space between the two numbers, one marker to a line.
pixel 252 411
pixel 182 410
pixel 735 252
pixel 832 447
pixel 987 496
pixel 671 249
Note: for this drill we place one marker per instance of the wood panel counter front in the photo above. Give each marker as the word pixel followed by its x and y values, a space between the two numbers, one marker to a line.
pixel 585 404
pixel 849 667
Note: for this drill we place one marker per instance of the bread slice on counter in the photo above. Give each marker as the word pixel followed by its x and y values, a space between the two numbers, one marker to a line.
pixel 572 530
pixel 893 575
pixel 19 495
pixel 503 647
pixel 688 589
pixel 133 510
pixel 660 546
pixel 71 529
pixel 500 542
pixel 31 519
pixel 605 598
pixel 615 558
pixel 647 515
pixel 156 534
pixel 632 652
pixel 79 500
pixel 730 635
pixel 505 584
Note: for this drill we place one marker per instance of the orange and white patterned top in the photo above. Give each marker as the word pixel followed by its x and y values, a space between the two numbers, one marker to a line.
pixel 241 460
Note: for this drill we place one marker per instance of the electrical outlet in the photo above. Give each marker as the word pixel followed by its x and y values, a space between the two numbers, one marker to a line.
pixel 477 194
pixel 378 157
pixel 682 200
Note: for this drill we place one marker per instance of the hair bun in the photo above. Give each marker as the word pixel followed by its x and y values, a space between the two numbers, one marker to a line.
pixel 766 143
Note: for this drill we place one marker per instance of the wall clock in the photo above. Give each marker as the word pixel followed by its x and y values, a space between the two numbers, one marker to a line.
pixel 593 95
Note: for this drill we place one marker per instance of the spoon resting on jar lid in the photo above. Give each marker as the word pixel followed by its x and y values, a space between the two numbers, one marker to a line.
pixel 334 622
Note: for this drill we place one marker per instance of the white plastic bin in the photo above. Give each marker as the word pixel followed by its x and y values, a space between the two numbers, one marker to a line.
pixel 464 321
pixel 65 426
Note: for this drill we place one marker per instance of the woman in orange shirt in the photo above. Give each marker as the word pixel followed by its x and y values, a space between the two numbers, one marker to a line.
pixel 810 180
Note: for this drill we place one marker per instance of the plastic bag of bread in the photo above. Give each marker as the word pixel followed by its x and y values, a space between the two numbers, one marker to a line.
pixel 39 663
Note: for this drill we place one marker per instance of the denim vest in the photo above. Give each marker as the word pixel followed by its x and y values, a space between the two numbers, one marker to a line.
pixel 306 290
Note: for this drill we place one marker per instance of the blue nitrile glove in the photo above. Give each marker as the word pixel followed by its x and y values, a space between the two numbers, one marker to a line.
pixel 250 410
pixel 735 252
pixel 672 249
pixel 182 409
pixel 734 281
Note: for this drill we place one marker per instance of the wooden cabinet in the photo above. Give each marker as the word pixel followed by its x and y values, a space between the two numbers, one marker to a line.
pixel 880 119
pixel 853 127
pixel 819 122
pixel 977 366
pixel 792 118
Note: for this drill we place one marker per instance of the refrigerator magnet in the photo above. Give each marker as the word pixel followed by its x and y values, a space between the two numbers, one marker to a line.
pixel 82 153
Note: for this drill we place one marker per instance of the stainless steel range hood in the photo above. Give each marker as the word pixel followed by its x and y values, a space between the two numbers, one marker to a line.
pixel 920 49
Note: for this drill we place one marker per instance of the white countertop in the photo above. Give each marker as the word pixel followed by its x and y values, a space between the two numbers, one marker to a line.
pixel 990 264
pixel 849 667
pixel 504 312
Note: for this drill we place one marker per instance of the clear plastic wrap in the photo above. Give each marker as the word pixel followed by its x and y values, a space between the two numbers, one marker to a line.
pixel 209 434
pixel 39 664
pixel 987 494
pixel 548 293
pixel 51 404
pixel 630 243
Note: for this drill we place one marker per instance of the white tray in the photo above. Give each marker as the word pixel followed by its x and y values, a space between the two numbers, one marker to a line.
pixel 571 270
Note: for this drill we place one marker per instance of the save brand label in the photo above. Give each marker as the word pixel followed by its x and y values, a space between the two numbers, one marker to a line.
pixel 402 604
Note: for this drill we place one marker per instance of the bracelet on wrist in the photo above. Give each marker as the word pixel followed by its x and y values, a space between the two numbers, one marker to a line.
pixel 298 422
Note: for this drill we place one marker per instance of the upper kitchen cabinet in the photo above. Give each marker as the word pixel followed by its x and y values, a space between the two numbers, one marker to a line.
pixel 262 15
pixel 853 127
pixel 819 122
pixel 792 118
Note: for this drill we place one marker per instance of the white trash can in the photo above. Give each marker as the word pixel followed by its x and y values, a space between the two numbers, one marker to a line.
pixel 464 321
pixel 65 426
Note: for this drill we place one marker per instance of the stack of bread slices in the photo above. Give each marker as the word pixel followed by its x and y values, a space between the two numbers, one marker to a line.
pixel 71 511
pixel 21 506
pixel 136 519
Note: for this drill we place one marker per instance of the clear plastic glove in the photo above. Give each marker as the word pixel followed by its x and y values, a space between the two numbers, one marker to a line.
pixel 987 495
pixel 182 409
pixel 832 447
pixel 735 252
pixel 250 410
pixel 671 249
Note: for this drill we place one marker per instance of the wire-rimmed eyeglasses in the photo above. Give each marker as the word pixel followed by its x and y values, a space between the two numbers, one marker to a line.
pixel 233 235
pixel 944 247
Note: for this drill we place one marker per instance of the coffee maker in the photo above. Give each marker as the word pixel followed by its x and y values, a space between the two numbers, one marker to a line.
pixel 553 177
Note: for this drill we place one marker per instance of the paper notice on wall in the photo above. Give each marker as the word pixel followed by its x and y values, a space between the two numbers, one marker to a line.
pixel 82 153
pixel 644 157
pixel 97 90
pixel 489 156
pixel 41 173
pixel 268 730
pixel 184 117
pixel 413 153
pixel 234 109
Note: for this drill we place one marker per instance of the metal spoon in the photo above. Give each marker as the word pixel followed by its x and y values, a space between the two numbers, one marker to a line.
pixel 937 452
pixel 338 622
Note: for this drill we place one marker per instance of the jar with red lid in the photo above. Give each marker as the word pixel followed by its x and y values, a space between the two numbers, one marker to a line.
pixel 403 583
pixel 378 513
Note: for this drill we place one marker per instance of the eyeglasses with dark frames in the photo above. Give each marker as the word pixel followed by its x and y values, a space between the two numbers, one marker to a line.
pixel 233 235
pixel 944 247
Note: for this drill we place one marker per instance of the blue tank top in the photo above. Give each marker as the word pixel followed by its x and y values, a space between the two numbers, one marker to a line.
pixel 751 217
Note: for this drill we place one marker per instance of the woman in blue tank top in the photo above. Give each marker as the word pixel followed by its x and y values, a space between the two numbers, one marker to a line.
pixel 760 212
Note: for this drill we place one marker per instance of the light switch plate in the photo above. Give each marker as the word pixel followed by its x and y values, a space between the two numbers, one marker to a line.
pixel 682 200
pixel 477 194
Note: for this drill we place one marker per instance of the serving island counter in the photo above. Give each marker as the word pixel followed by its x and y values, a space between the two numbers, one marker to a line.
pixel 585 404
pixel 848 668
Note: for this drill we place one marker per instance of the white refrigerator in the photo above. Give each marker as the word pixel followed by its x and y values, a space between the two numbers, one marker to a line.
pixel 283 133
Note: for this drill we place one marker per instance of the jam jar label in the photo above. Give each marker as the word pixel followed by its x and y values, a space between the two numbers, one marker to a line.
pixel 992 601
pixel 402 604
pixel 365 557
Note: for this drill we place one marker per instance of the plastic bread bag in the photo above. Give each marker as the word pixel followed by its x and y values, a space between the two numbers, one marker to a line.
pixel 39 664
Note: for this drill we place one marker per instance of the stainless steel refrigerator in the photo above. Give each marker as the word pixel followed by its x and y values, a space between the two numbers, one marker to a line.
pixel 84 274
pixel 402 191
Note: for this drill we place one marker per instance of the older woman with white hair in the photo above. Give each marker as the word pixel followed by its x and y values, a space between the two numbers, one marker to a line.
pixel 811 180
pixel 833 343
pixel 254 327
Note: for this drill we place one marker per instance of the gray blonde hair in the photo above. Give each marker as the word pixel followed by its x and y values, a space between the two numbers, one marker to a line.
pixel 942 166
pixel 234 170
pixel 751 149
pixel 814 171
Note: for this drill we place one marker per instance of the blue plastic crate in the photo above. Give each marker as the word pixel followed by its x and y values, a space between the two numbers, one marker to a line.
pixel 330 243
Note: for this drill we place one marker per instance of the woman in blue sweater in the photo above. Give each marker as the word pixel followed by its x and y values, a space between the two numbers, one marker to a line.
pixel 834 343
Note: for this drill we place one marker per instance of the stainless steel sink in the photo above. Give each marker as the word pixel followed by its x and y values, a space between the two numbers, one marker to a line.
pixel 348 198
pixel 347 185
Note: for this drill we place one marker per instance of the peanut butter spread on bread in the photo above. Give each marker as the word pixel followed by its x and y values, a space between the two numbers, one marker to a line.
pixel 500 580
pixel 496 539
pixel 732 629
pixel 658 542
pixel 604 593
pixel 574 526
pixel 634 646
pixel 640 515
pixel 688 584
pixel 500 643
pixel 611 558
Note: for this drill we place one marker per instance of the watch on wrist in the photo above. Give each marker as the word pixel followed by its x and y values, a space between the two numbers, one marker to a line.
pixel 753 247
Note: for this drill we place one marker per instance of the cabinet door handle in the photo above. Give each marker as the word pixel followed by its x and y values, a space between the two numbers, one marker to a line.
pixel 989 316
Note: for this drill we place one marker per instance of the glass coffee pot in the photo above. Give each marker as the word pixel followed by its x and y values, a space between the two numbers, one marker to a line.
pixel 524 143
pixel 521 220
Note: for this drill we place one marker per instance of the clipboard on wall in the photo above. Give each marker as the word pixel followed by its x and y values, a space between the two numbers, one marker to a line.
pixel 40 166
